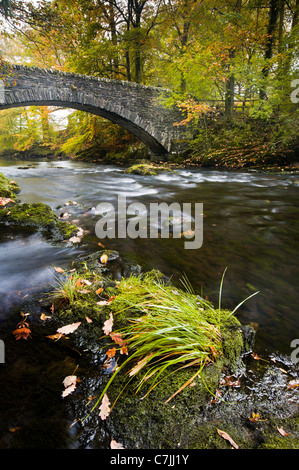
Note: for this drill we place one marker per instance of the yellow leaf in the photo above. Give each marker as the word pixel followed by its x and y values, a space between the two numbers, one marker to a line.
pixel 104 259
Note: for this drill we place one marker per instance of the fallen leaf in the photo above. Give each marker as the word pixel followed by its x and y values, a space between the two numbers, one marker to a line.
pixel 115 445
pixel 293 383
pixel 59 270
pixel 104 259
pixel 56 336
pixel 17 428
pixel 102 302
pixel 101 245
pixel 70 385
pixel 124 350
pixel 104 408
pixel 111 352
pixel 87 282
pixel 117 338
pixel 44 316
pixel 75 239
pixel 98 291
pixel 228 438
pixel 67 329
pixel 22 332
pixel 107 328
pixel 255 417
pixel 78 283
pixel 88 320
pixel 282 432
pixel 5 200
pixel 84 291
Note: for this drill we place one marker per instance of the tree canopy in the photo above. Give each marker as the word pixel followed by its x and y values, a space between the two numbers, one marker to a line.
pixel 228 54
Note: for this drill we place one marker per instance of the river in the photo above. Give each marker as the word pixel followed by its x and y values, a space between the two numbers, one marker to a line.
pixel 250 226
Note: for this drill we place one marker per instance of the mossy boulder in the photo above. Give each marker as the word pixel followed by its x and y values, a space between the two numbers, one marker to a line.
pixel 37 217
pixel 147 169
pixel 8 187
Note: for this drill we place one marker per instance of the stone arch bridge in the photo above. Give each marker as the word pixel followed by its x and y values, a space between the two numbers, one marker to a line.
pixel 139 109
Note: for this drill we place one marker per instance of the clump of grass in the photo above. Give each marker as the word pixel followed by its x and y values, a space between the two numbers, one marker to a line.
pixel 175 330
pixel 66 290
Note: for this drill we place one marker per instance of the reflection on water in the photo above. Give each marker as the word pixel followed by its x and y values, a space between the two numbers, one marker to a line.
pixel 251 225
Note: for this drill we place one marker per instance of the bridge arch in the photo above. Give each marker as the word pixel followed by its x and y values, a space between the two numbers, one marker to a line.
pixel 137 108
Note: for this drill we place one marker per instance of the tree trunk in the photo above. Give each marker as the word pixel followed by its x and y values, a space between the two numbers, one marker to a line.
pixel 230 90
pixel 273 17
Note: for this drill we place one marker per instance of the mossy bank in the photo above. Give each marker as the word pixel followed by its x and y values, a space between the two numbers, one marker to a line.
pixel 32 217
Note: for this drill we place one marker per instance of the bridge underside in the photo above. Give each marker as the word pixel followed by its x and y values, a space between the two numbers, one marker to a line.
pixel 140 109
pixel 153 145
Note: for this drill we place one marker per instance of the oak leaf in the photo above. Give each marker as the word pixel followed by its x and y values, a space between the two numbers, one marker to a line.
pixel 107 328
pixel 104 408
pixel 69 383
pixel 22 332
pixel 67 329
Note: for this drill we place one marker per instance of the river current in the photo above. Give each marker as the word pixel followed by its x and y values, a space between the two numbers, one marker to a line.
pixel 250 227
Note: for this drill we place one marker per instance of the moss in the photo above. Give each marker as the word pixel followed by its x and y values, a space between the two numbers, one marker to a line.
pixel 37 216
pixel 8 187
pixel 147 169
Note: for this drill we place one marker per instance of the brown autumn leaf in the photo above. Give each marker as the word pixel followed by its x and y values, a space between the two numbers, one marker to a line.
pixel 228 438
pixel 282 431
pixel 101 245
pixel 117 338
pixel 78 283
pixel 5 200
pixel 17 428
pixel 98 291
pixel 107 328
pixel 69 383
pixel 124 350
pixel 59 270
pixel 115 445
pixel 111 352
pixel 67 329
pixel 104 408
pixel 22 332
pixel 55 337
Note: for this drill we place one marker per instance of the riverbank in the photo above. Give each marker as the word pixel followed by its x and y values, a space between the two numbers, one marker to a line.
pixel 244 143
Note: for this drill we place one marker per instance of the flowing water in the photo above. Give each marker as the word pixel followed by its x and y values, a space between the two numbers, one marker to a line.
pixel 250 226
